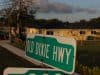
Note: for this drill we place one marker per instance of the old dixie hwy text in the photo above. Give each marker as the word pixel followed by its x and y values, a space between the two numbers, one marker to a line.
pixel 59 54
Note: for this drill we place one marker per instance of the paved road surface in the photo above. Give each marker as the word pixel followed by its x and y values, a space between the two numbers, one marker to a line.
pixel 7 59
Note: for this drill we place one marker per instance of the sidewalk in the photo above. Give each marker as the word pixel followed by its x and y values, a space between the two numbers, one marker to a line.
pixel 5 44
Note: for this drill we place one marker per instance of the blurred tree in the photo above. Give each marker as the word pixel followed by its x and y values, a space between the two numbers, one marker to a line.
pixel 20 13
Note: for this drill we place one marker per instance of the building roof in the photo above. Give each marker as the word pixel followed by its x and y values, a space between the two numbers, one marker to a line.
pixel 55 25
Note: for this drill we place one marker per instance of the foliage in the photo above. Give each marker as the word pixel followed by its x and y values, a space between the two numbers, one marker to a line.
pixel 19 43
pixel 19 14
pixel 86 70
pixel 88 57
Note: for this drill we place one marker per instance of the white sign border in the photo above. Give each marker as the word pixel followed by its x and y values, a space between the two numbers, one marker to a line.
pixel 21 70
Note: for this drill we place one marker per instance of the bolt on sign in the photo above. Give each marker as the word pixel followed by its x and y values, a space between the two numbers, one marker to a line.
pixel 54 51
pixel 31 71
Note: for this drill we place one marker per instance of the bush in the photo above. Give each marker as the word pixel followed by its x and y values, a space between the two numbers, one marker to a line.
pixel 86 70
pixel 19 43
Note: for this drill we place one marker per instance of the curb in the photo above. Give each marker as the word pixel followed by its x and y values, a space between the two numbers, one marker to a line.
pixel 5 44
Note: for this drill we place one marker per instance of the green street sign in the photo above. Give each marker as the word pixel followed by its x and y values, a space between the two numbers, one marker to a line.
pixel 31 71
pixel 57 52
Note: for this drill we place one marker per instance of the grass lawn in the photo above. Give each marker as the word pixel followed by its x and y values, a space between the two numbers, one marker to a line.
pixel 88 53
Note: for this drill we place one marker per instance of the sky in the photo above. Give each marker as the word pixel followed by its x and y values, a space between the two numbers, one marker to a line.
pixel 69 10
pixel 66 10
pixel 3 3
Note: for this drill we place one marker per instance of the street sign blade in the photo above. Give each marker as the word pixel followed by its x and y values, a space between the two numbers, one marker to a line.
pixel 32 71
pixel 57 52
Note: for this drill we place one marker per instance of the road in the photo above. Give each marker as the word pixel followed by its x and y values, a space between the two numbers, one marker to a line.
pixel 8 59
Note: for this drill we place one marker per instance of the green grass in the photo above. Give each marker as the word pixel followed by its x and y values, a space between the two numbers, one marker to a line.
pixel 88 46
pixel 88 53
